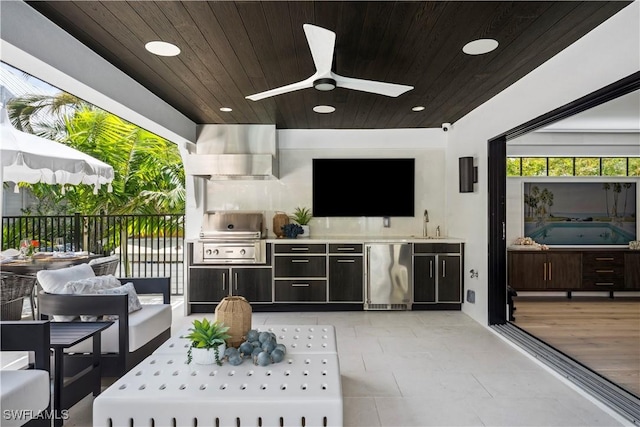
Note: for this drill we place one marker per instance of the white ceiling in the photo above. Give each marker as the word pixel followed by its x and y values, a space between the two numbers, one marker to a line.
pixel 619 115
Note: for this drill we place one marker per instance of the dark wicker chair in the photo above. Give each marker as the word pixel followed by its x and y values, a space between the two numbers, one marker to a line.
pixel 13 289
pixel 106 265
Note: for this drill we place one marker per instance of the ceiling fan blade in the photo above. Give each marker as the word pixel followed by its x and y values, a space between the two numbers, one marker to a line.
pixel 321 43
pixel 381 88
pixel 304 84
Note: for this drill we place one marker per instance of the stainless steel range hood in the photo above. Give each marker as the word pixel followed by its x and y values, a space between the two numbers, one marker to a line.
pixel 224 152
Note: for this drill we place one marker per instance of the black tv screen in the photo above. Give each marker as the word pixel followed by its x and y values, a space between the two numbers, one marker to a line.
pixel 363 187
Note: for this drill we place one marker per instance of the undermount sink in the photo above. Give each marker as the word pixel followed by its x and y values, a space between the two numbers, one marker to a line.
pixel 429 237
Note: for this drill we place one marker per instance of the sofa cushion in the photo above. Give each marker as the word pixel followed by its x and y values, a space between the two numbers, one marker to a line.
pixel 133 302
pixel 23 390
pixel 90 285
pixel 144 325
pixel 53 282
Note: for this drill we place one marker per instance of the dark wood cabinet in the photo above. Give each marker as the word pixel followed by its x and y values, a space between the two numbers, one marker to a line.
pixel 346 281
pixel 632 271
pixel 437 273
pixel 301 290
pixel 255 284
pixel 208 285
pixel 300 266
pixel 544 270
pixel 424 278
pixel 589 269
pixel 449 270
pixel 300 272
pixel 603 271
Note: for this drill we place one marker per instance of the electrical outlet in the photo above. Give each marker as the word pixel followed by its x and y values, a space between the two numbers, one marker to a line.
pixel 386 222
pixel 471 296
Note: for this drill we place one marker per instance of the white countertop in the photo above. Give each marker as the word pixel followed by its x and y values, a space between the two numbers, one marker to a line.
pixel 367 239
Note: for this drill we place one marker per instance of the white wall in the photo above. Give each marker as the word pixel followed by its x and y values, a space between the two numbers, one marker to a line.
pixel 297 148
pixel 605 55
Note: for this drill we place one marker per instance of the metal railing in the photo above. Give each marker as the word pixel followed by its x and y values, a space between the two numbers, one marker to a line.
pixel 148 245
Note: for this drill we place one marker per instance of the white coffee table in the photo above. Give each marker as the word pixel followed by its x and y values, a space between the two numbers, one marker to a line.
pixel 302 390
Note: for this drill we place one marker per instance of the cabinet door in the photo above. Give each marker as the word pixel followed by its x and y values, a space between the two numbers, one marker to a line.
pixel 301 290
pixel 208 284
pixel 300 266
pixel 346 281
pixel 632 271
pixel 527 271
pixel 564 271
pixel 252 283
pixel 424 279
pixel 448 278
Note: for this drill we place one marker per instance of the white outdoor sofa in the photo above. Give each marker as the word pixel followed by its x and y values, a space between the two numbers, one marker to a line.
pixel 25 392
pixel 132 337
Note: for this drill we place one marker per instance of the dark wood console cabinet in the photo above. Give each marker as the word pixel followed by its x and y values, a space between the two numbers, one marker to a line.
pixel 574 270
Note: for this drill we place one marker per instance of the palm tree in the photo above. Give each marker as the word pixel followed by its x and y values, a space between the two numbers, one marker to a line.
pixel 627 186
pixel 606 187
pixel 149 177
pixel 617 189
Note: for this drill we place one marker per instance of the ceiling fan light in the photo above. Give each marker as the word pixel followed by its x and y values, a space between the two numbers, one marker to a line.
pixel 480 46
pixel 161 48
pixel 324 84
pixel 324 109
pixel 418 108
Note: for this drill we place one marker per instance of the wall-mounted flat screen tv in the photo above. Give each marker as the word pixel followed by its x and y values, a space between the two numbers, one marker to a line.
pixel 580 213
pixel 363 187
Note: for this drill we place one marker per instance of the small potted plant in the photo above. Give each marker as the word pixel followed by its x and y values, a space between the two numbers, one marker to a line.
pixel 207 342
pixel 302 216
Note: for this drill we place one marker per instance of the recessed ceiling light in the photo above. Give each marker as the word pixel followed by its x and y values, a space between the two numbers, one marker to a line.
pixel 226 109
pixel 417 108
pixel 324 109
pixel 161 48
pixel 480 46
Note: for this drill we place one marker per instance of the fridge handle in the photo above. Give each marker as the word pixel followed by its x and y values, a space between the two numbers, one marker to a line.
pixel 367 274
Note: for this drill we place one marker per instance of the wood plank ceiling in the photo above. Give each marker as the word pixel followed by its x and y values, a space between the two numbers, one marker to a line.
pixel 234 49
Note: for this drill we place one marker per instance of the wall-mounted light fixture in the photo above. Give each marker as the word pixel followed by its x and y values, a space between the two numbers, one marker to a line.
pixel 468 174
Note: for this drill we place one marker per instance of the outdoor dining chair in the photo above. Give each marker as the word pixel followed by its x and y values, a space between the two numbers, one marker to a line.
pixel 13 289
pixel 105 265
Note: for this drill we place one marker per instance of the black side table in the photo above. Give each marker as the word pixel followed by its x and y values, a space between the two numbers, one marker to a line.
pixel 65 335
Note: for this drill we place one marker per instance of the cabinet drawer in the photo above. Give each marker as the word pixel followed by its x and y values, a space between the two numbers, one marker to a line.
pixel 301 291
pixel 300 266
pixel 600 260
pixel 431 248
pixel 345 248
pixel 602 283
pixel 300 248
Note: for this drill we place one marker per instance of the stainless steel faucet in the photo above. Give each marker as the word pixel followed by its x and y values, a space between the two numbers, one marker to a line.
pixel 424 224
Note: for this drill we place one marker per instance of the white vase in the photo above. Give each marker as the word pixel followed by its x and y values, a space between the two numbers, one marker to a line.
pixel 207 356
pixel 307 232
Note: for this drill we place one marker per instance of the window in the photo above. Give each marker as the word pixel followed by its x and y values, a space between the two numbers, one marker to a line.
pixel 534 166
pixel 614 166
pixel 573 166
pixel 561 166
pixel 634 166
pixel 587 166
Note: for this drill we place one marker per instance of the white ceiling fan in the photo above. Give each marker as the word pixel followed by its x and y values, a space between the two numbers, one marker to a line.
pixel 322 43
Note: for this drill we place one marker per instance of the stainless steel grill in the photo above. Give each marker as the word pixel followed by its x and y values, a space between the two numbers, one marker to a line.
pixel 231 237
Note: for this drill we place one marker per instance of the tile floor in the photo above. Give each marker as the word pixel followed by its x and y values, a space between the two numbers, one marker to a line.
pixel 432 369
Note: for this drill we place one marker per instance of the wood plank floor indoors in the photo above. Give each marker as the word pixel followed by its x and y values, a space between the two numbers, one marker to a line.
pixel 602 334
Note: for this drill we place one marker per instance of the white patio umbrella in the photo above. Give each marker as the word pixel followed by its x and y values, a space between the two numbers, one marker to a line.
pixel 25 157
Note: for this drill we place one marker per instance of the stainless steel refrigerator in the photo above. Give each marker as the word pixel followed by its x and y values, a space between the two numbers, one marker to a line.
pixel 388 276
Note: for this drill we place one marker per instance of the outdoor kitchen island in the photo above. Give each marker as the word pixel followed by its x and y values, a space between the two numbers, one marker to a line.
pixel 326 274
